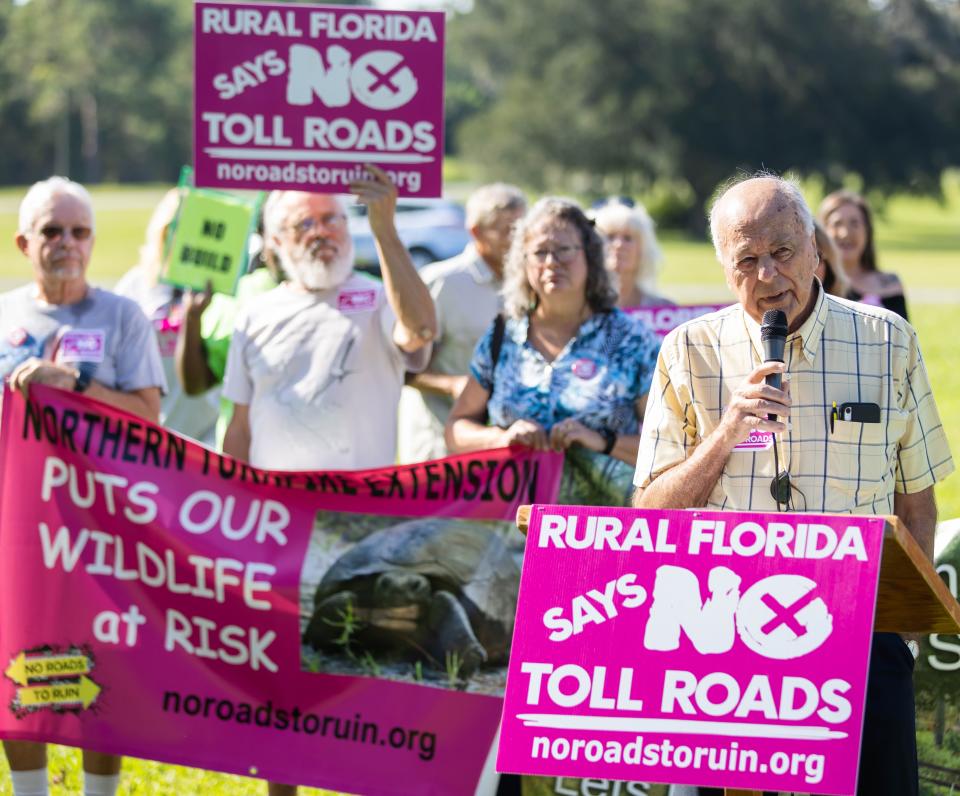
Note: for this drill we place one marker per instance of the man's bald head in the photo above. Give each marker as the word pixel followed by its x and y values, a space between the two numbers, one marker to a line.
pixel 763 234
pixel 755 199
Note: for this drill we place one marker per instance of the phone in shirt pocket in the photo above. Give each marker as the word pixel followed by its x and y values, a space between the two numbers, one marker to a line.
pixel 854 412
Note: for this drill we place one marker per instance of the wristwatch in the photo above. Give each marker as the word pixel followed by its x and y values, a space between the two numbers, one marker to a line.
pixel 611 440
pixel 914 646
pixel 82 380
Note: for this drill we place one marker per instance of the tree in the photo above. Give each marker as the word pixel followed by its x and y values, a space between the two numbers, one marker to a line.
pixel 693 90
pixel 119 72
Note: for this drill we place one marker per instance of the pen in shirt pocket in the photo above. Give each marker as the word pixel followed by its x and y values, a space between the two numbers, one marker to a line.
pixel 833 416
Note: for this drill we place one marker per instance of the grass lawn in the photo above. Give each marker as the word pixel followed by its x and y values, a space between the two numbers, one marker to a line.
pixel 146 778
pixel 917 238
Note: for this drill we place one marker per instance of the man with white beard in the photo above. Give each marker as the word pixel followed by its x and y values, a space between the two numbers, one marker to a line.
pixel 316 364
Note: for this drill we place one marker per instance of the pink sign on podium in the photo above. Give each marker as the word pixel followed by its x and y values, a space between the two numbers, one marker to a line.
pixel 711 648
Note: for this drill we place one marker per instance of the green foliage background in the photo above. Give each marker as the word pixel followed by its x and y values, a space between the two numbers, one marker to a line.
pixel 626 96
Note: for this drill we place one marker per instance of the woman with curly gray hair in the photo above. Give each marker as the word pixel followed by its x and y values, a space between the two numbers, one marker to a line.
pixel 566 367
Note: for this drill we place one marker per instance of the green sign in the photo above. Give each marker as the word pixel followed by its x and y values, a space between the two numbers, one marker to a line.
pixel 208 242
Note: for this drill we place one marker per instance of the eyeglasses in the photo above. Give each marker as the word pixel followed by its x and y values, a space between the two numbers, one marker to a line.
pixel 333 221
pixel 562 254
pixel 55 232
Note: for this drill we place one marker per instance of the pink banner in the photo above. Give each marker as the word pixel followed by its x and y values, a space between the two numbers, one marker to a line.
pixel 342 629
pixel 665 318
pixel 692 647
pixel 300 97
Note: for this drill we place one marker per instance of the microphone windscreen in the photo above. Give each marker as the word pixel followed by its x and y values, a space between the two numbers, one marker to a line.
pixel 774 324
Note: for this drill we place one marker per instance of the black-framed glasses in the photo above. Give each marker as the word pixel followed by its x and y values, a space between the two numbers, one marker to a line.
pixel 57 231
pixel 562 254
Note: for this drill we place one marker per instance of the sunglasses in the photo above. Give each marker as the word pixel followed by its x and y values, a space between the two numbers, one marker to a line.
pixel 55 232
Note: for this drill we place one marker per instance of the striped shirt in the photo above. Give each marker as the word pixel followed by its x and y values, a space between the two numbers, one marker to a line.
pixel 843 352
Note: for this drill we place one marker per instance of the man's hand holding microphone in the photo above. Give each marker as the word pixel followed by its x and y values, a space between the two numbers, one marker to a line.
pixel 763 396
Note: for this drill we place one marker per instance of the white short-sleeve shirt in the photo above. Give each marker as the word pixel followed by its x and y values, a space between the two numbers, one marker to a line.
pixel 321 376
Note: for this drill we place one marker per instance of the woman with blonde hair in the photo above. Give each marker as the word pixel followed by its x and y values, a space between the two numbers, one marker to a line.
pixel 164 305
pixel 847 218
pixel 632 253
pixel 566 367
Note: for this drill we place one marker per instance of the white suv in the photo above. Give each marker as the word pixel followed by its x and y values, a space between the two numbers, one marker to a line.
pixel 431 229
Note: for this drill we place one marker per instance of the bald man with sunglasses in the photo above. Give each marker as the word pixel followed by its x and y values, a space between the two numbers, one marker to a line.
pixel 61 331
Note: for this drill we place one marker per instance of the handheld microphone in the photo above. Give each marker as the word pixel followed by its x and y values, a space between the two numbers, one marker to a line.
pixel 773 337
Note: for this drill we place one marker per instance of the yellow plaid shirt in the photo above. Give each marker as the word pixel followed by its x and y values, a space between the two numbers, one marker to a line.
pixel 844 352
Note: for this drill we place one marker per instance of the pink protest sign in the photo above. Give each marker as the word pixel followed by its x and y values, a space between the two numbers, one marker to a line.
pixel 300 97
pixel 665 318
pixel 348 630
pixel 691 647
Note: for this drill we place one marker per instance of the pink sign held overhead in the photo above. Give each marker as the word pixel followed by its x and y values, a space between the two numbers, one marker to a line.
pixel 691 647
pixel 301 97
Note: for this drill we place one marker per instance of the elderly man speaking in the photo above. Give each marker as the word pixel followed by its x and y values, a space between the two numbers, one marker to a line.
pixel 709 394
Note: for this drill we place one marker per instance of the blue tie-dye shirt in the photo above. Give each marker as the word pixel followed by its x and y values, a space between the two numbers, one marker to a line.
pixel 596 378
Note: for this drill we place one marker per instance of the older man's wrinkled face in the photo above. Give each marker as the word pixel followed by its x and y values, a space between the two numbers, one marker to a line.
pixel 315 248
pixel 768 258
pixel 60 241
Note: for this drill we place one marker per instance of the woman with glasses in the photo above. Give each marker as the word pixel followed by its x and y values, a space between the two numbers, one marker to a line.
pixel 847 218
pixel 632 253
pixel 566 368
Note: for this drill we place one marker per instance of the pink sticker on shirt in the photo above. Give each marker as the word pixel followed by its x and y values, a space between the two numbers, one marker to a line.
pixel 82 345
pixel 167 329
pixel 17 337
pixel 356 300
pixel 584 369
pixel 757 441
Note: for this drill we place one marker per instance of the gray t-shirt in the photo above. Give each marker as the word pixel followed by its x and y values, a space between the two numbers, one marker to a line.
pixel 103 334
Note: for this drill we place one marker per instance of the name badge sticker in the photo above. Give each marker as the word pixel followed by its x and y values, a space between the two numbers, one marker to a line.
pixel 83 345
pixel 757 441
pixel 356 300
pixel 168 329
pixel 584 369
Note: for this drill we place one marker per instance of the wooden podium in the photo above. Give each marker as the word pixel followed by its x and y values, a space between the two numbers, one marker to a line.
pixel 911 597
